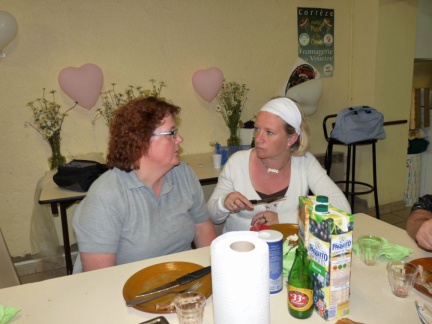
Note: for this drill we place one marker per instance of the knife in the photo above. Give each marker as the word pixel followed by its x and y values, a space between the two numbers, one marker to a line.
pixel 266 200
pixel 157 320
pixel 183 280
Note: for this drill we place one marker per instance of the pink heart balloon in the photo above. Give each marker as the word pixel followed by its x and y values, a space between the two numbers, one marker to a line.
pixel 83 84
pixel 208 83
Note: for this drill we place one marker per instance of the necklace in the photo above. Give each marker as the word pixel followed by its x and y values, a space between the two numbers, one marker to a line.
pixel 272 170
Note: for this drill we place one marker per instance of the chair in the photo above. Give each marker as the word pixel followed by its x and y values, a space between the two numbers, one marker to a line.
pixel 8 274
pixel 350 181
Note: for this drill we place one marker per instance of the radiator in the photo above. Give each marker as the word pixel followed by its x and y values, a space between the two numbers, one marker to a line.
pixel 337 171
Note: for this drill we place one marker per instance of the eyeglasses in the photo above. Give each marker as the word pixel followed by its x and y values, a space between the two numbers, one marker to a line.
pixel 173 133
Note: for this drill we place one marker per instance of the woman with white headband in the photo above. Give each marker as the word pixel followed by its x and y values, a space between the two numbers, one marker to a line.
pixel 278 166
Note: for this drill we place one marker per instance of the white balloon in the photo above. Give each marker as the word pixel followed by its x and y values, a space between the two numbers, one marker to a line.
pixel 8 29
pixel 307 94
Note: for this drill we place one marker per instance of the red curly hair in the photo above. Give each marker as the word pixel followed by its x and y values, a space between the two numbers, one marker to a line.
pixel 132 128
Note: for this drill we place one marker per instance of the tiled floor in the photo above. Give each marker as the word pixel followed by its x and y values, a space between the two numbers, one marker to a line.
pixel 396 218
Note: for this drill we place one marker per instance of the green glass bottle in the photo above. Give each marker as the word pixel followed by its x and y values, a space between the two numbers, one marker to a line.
pixel 300 289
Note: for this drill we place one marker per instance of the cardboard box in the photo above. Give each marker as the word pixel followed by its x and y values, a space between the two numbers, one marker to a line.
pixel 330 251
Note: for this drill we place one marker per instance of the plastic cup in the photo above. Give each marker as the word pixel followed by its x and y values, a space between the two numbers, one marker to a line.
pixel 190 307
pixel 402 276
pixel 370 249
pixel 217 160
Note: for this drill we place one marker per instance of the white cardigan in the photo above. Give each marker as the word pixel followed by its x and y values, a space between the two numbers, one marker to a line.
pixel 306 173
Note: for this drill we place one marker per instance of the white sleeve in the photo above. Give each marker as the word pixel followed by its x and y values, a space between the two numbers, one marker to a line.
pixel 215 205
pixel 321 184
pixel 234 177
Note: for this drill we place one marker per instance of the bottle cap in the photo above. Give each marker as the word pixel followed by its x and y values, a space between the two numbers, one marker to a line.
pixel 321 208
pixel 322 199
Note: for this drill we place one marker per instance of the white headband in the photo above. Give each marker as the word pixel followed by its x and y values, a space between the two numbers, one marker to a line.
pixel 286 109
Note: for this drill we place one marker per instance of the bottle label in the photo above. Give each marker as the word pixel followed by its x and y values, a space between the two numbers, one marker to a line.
pixel 274 241
pixel 341 244
pixel 299 299
pixel 319 251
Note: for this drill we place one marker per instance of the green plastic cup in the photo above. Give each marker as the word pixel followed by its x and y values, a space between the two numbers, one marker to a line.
pixel 370 249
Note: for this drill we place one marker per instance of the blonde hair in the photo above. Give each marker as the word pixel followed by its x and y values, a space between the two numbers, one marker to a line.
pixel 301 146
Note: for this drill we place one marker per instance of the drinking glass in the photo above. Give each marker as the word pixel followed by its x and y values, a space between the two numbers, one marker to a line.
pixel 402 276
pixel 370 249
pixel 190 307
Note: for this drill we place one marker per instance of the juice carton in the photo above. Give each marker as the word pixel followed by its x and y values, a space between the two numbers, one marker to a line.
pixel 305 204
pixel 330 251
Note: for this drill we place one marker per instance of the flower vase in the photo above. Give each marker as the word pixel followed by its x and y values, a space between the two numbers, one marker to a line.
pixel 56 158
pixel 234 139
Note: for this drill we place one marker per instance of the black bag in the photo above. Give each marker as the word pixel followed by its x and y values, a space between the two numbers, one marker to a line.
pixel 356 124
pixel 78 175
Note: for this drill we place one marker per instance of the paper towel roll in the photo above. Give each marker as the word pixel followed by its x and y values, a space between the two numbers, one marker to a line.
pixel 240 272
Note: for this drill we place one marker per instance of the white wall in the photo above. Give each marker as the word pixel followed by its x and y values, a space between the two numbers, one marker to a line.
pixel 251 41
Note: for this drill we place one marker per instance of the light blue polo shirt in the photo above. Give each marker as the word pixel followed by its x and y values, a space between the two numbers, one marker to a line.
pixel 121 215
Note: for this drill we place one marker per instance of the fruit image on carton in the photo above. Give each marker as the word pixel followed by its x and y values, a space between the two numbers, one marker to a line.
pixel 305 204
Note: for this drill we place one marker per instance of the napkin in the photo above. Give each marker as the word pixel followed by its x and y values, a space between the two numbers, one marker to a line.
pixel 6 313
pixel 392 252
pixel 288 259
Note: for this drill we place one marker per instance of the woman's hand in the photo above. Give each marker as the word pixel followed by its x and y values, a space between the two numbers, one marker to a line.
pixel 236 202
pixel 266 217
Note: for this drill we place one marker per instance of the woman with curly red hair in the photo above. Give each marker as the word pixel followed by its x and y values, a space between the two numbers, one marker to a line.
pixel 149 203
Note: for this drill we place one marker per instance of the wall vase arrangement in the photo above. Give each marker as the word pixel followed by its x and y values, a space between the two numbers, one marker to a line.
pixel 56 158
pixel 48 120
pixel 234 139
pixel 232 98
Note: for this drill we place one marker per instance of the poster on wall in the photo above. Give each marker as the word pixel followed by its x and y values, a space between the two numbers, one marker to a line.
pixel 316 39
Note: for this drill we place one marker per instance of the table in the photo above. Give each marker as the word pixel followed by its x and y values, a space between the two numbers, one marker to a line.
pixel 56 196
pixel 96 296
